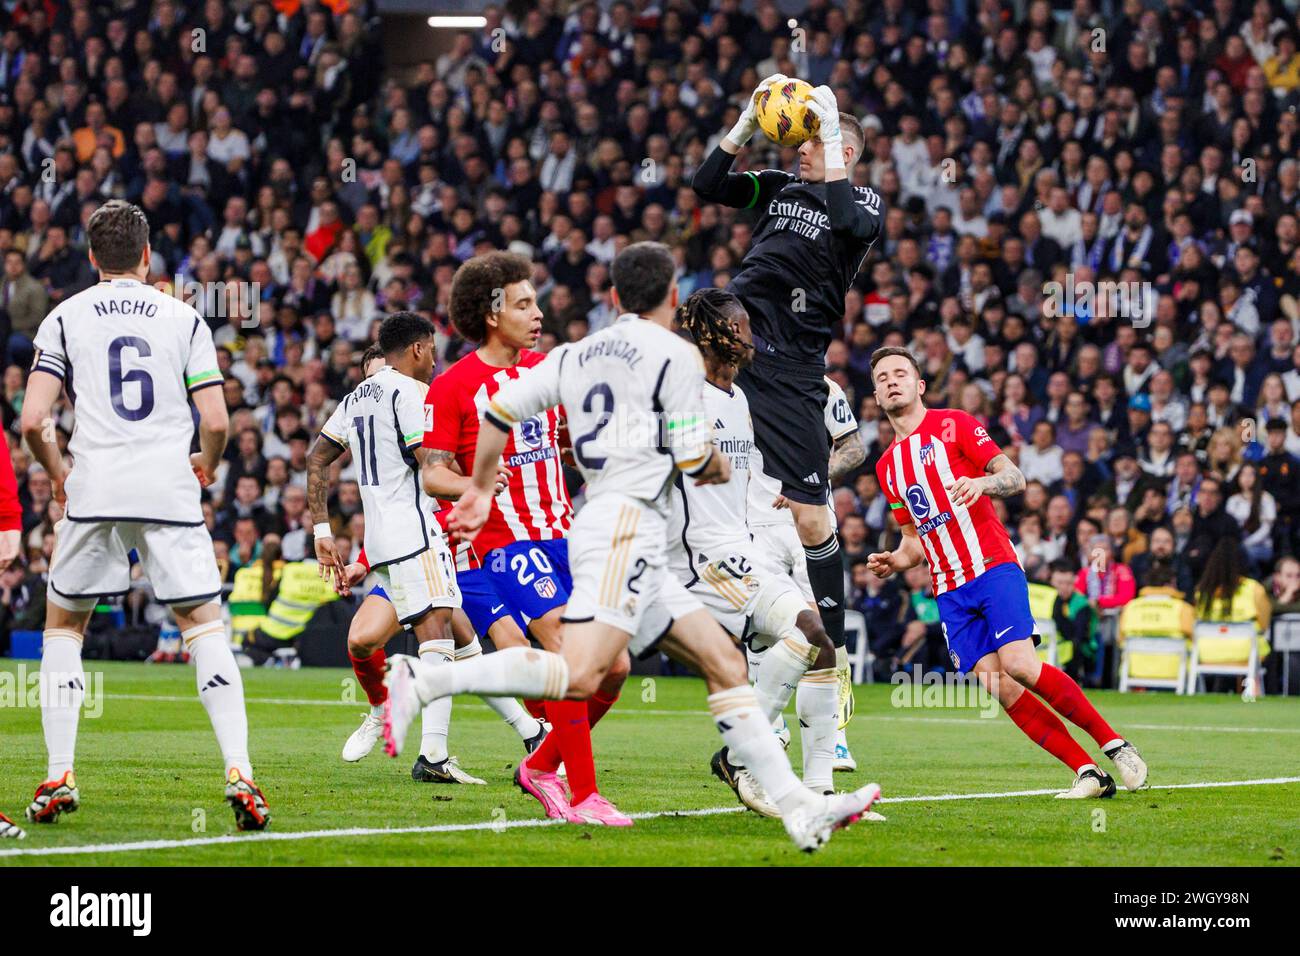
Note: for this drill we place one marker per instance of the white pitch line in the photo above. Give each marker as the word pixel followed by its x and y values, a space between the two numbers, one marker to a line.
pixel 633 710
pixel 145 845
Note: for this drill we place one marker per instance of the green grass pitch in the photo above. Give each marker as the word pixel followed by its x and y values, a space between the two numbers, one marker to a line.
pixel 149 772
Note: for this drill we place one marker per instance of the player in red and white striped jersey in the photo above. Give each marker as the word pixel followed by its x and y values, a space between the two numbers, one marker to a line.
pixel 523 548
pixel 937 476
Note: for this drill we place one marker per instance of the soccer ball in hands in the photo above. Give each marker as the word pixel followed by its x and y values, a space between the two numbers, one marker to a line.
pixel 783 114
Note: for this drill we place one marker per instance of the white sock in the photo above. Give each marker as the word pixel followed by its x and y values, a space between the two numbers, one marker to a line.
pixel 516 671
pixel 435 719
pixel 755 660
pixel 507 708
pixel 748 736
pixel 63 688
pixel 818 705
pixel 785 663
pixel 221 689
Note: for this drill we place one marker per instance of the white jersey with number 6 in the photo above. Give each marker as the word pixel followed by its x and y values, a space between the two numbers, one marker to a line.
pixel 129 355
pixel 382 422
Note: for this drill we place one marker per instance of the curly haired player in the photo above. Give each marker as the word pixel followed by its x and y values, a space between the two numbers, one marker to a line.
pixel 520 560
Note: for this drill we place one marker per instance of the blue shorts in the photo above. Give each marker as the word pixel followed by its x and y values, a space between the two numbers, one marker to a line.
pixel 985 613
pixel 479 600
pixel 531 577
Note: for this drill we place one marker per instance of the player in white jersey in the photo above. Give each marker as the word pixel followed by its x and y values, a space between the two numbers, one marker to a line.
pixel 382 423
pixel 772 524
pixel 132 359
pixel 712 552
pixel 632 394
pixel 375 624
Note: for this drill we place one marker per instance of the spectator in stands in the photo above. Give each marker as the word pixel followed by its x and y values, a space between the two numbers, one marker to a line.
pixel 1075 620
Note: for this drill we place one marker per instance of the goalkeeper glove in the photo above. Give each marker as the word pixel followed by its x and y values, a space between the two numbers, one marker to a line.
pixel 744 129
pixel 824 107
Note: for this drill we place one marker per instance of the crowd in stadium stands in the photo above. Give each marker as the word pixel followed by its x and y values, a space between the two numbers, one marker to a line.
pixel 1020 148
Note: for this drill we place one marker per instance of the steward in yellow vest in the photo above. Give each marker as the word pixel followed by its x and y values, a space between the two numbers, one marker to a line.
pixel 301 592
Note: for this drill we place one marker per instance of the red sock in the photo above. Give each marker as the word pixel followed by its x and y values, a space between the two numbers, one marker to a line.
pixel 535 707
pixel 547 756
pixel 370 672
pixel 597 707
pixel 569 742
pixel 1045 729
pixel 1067 699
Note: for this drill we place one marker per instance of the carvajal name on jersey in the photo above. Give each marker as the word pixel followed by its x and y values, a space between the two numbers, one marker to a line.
pixel 612 348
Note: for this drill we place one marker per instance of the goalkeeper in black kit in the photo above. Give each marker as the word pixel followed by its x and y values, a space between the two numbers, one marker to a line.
pixel 813 232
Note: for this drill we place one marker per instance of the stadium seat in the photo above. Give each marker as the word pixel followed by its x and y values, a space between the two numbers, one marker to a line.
pixel 1042 598
pixel 1158 661
pixel 860 656
pixel 1228 648
pixel 1285 639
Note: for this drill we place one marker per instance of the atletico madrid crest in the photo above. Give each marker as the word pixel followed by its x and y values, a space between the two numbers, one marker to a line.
pixel 545 587
pixel 927 453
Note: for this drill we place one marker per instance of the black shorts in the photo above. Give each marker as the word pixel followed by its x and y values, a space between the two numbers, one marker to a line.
pixel 788 407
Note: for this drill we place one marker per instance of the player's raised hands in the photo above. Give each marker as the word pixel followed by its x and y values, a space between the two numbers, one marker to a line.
pixel 824 106
pixel 469 514
pixel 744 129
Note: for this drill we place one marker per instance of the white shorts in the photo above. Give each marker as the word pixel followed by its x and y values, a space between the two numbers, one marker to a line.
pixel 780 542
pixel 618 556
pixel 745 592
pixel 91 561
pixel 419 584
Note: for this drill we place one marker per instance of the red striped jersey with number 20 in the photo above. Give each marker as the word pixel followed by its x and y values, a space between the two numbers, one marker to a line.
pixel 960 543
pixel 536 505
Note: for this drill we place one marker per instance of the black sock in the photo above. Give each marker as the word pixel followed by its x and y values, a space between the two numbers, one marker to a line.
pixel 826 575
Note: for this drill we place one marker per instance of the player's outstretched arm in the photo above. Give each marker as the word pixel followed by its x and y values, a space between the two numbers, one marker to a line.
pixel 859 216
pixel 714 181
